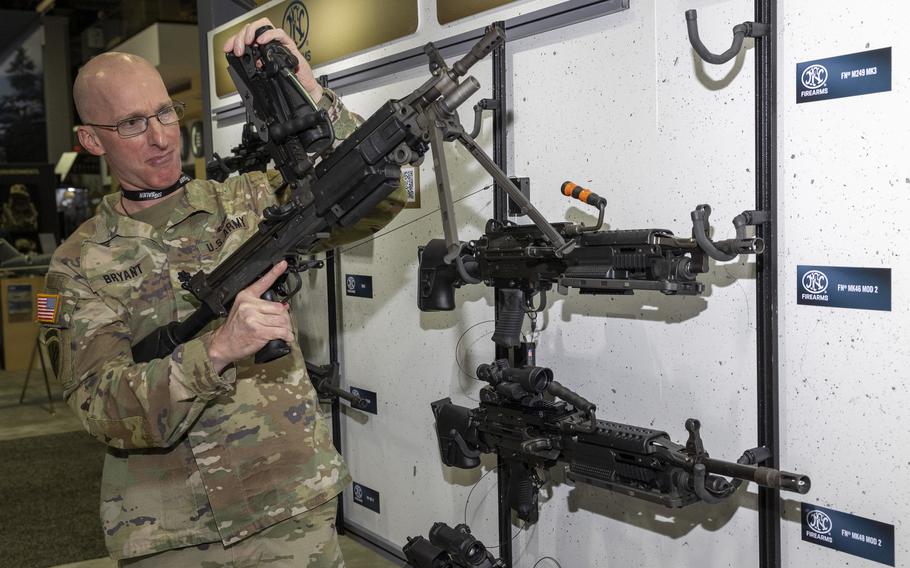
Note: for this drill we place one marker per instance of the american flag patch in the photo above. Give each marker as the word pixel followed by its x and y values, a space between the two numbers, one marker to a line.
pixel 48 306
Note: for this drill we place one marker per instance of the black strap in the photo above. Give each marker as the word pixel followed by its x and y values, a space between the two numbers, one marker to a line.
pixel 151 194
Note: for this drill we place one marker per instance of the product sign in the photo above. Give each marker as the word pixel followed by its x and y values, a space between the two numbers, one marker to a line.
pixel 844 76
pixel 358 285
pixel 366 497
pixel 369 399
pixel 848 533
pixel 843 287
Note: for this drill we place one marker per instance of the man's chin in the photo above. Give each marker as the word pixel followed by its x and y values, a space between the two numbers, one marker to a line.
pixel 154 182
pixel 163 180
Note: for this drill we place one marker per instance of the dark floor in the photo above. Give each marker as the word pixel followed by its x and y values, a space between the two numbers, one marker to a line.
pixel 33 418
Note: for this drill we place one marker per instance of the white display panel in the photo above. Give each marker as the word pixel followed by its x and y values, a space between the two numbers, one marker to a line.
pixel 844 186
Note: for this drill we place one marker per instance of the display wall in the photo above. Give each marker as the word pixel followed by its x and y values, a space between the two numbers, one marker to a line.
pixel 622 105
pixel 584 106
pixel 845 197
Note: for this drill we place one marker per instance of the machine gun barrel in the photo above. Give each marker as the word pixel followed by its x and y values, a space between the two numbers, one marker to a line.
pixel 764 476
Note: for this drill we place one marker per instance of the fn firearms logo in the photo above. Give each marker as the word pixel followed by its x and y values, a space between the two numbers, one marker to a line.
pixel 819 522
pixel 296 22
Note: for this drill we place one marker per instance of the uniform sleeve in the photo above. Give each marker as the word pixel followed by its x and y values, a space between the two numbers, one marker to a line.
pixel 345 122
pixel 125 404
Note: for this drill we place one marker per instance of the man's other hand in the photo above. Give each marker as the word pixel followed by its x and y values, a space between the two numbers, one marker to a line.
pixel 238 42
pixel 251 323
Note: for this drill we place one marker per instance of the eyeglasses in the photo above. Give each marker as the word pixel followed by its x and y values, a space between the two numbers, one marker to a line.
pixel 136 125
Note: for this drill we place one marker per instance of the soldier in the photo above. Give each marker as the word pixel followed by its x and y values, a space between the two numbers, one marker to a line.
pixel 212 460
pixel 19 219
pixel 19 213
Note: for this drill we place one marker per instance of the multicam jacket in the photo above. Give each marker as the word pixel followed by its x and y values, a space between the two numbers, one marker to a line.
pixel 193 457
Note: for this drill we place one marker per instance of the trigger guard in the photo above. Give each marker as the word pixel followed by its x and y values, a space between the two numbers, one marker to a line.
pixel 298 284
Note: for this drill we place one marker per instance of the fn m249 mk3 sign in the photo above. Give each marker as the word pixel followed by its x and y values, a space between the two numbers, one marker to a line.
pixel 844 76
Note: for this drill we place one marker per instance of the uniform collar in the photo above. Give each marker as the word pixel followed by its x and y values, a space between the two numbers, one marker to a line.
pixel 197 196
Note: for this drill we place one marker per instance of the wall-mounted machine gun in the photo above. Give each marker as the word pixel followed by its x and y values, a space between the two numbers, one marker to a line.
pixel 329 187
pixel 449 547
pixel 525 261
pixel 531 433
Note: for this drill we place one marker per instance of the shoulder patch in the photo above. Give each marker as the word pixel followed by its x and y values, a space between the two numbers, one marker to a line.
pixel 48 308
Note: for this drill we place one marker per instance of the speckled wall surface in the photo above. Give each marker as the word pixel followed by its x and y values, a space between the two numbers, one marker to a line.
pixel 845 197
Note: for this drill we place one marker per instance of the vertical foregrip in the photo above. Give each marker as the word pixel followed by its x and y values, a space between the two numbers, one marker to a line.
pixel 510 316
pixel 522 492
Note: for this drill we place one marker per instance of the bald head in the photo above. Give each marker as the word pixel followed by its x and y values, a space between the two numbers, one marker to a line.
pixel 116 87
pixel 106 74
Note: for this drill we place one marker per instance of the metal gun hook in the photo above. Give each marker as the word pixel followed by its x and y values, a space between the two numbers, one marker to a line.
pixel 740 32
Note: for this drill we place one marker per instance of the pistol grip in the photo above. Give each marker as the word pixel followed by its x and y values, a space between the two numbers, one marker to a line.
pixel 523 492
pixel 511 315
pixel 276 348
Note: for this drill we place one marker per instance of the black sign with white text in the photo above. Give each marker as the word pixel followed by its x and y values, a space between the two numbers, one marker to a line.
pixel 369 399
pixel 872 540
pixel 367 497
pixel 844 76
pixel 844 287
pixel 358 285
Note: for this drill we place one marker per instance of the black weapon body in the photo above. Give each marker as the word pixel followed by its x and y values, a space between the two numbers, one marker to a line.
pixel 346 184
pixel 524 263
pixel 532 433
pixel 449 547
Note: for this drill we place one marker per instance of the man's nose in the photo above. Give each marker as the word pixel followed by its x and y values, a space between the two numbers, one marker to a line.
pixel 156 133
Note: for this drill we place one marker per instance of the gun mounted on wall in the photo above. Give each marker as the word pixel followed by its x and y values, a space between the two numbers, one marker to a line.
pixel 534 423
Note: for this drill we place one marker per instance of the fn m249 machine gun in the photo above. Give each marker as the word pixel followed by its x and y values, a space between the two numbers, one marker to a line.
pixel 532 434
pixel 526 261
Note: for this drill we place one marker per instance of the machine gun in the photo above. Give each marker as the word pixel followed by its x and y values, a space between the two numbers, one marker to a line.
pixel 449 548
pixel 530 433
pixel 337 191
pixel 523 262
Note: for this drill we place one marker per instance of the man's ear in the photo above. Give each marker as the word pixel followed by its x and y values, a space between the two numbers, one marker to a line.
pixel 89 140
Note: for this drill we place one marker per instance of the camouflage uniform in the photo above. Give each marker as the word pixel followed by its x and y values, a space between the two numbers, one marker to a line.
pixel 305 540
pixel 194 457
